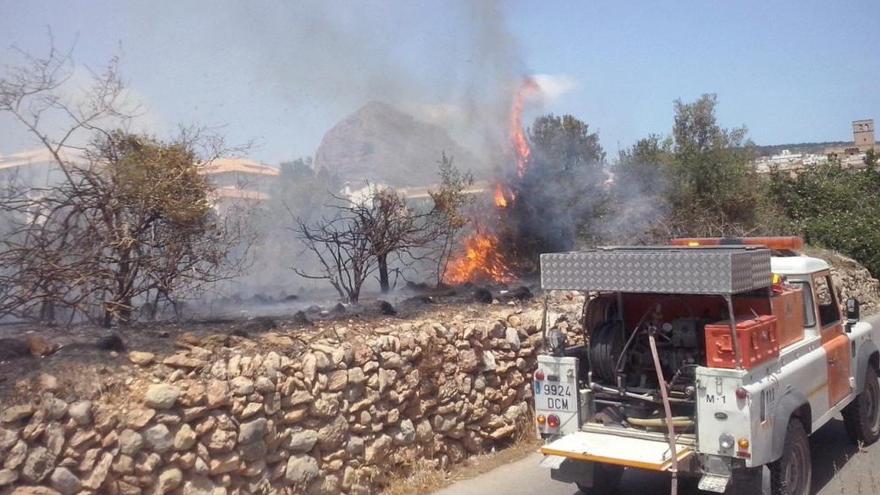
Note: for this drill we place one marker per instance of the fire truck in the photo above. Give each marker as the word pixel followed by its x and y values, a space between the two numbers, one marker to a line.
pixel 708 359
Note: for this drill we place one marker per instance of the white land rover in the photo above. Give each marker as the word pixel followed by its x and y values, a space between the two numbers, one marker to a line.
pixel 709 359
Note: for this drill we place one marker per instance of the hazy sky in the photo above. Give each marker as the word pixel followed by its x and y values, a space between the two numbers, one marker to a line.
pixel 281 73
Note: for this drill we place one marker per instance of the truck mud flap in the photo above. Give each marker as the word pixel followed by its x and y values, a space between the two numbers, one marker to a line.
pixel 605 448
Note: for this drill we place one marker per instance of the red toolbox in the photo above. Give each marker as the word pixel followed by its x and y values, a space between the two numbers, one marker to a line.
pixel 758 340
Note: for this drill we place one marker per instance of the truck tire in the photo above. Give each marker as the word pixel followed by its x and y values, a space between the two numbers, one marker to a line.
pixel 792 473
pixel 606 477
pixel 862 416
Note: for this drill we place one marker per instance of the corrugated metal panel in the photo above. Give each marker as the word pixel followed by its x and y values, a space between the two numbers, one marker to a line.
pixel 659 270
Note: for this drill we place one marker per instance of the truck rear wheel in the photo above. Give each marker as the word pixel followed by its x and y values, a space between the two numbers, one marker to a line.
pixel 862 416
pixel 792 473
pixel 606 477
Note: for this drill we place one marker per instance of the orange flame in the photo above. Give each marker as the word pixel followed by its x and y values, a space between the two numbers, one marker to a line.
pixel 517 132
pixel 482 260
pixel 482 257
pixel 503 196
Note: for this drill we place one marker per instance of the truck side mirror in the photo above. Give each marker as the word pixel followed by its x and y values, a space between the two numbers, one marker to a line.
pixel 852 311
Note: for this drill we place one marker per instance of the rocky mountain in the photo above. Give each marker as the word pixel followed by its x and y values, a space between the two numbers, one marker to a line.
pixel 382 144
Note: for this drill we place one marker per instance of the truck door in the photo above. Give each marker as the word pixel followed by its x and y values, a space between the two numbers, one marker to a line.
pixel 834 339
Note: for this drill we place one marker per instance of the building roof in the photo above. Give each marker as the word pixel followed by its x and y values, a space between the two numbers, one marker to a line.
pixel 237 165
pixel 39 156
pixel 796 265
pixel 236 193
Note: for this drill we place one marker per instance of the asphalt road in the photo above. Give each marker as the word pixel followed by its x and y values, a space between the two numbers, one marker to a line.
pixel 839 468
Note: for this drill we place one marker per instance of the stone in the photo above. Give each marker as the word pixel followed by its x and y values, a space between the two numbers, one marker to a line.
pixel 424 431
pixel 467 360
pixel 138 418
pixel 124 464
pixel 81 412
pixel 376 452
pixel 185 438
pixel 252 431
pixel 391 360
pixel 264 385
pixel 54 438
pixel 512 338
pixel 199 485
pixel 242 386
pixel 148 464
pixel 301 469
pixel 309 368
pixel 337 380
pixel 16 455
pixel 251 409
pixel 64 481
pixel 130 442
pixel 254 451
pixel 294 416
pixel 169 480
pixel 302 441
pixel 7 477
pixel 181 360
pixel 325 485
pixel 355 446
pixel 161 396
pixel 7 438
pixel 99 473
pixel 141 358
pixel 300 397
pixel 158 438
pixel 39 463
pixel 55 408
pixel 225 464
pixel 217 394
pixel 16 413
pixel 40 346
pixel 34 490
pixel 332 434
pixel 356 376
pixel 221 440
pixel 47 382
pixel 406 433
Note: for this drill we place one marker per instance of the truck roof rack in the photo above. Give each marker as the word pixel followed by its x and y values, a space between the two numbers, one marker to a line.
pixel 718 269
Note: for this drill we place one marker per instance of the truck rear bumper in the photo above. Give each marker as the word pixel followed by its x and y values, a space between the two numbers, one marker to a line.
pixel 621 450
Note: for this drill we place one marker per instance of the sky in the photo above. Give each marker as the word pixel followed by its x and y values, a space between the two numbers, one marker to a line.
pixel 280 74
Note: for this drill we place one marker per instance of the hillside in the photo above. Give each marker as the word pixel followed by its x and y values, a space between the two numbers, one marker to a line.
pixel 380 143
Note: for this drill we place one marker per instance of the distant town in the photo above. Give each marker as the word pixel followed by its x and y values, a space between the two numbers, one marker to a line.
pixel 245 181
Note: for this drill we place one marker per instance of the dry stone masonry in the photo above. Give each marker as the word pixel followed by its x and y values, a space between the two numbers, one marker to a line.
pixel 334 417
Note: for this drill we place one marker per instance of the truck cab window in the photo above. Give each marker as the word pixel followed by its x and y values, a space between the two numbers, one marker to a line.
pixel 809 309
pixel 829 312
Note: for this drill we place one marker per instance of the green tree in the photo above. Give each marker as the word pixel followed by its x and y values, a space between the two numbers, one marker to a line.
pixel 449 216
pixel 561 193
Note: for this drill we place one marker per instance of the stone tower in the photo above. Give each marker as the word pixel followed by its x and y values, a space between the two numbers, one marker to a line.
pixel 863 134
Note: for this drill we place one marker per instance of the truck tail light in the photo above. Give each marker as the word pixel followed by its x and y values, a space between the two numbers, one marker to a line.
pixel 741 393
pixel 553 421
pixel 541 419
pixel 743 443
pixel 539 375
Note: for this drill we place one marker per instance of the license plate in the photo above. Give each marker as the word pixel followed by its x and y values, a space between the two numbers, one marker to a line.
pixel 555 397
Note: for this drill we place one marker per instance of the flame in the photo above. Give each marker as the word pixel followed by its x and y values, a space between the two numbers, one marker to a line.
pixel 482 259
pixel 517 132
pixel 503 196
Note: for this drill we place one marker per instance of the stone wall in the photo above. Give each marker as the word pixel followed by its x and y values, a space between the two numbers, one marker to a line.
pixel 336 416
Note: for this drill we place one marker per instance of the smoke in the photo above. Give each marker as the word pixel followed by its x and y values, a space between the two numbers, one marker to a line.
pixel 454 64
